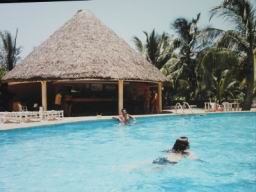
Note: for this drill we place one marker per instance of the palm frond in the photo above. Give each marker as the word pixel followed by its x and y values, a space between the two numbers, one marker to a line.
pixel 233 40
pixel 10 52
pixel 157 48
pixel 177 43
pixel 208 36
pixel 138 44
pixel 182 28
pixel 240 12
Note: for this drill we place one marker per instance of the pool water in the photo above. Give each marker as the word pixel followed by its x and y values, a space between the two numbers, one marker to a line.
pixel 102 156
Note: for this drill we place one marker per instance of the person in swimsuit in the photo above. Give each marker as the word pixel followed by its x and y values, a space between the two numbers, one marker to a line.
pixel 124 117
pixel 179 151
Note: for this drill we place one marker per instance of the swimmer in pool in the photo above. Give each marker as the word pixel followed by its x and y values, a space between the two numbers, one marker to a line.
pixel 179 151
pixel 124 117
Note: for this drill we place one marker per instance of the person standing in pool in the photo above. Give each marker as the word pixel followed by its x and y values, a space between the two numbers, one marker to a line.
pixel 124 117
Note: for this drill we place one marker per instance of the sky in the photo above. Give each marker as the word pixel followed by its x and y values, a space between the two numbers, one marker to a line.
pixel 128 18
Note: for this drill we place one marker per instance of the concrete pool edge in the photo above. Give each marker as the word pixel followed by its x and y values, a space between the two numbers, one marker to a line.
pixel 68 120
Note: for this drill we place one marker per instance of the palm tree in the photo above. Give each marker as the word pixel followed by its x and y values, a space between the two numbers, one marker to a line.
pixel 156 49
pixel 187 44
pixel 9 51
pixel 217 75
pixel 242 38
pixel 9 54
pixel 174 71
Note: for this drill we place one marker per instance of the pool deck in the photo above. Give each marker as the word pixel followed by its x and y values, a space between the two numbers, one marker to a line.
pixel 10 126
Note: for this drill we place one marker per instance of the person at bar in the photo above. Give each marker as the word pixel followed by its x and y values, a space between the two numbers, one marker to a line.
pixel 154 102
pixel 58 100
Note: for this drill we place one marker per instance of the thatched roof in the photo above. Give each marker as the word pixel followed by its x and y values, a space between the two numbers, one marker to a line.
pixel 84 48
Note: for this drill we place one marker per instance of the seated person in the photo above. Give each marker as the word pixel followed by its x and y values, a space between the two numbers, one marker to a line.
pixel 179 150
pixel 124 117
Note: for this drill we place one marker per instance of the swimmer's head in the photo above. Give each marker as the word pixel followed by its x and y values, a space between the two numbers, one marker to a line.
pixel 181 144
pixel 123 111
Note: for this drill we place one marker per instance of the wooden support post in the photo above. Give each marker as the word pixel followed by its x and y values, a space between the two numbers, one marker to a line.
pixel 44 94
pixel 159 88
pixel 120 95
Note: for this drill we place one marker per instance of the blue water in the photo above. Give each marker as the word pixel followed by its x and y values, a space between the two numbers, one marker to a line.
pixel 105 157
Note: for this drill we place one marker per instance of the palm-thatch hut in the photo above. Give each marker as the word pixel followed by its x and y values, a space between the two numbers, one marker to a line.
pixel 83 53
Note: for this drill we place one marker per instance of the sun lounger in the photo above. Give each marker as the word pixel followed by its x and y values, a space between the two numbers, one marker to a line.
pixel 227 106
pixel 9 117
pixel 210 106
pixel 30 116
pixel 53 115
pixel 2 116
pixel 231 106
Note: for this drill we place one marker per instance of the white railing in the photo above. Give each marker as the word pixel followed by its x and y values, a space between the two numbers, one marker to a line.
pixel 178 106
pixel 185 104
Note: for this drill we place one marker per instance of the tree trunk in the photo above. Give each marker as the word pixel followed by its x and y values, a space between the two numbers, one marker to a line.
pixel 249 81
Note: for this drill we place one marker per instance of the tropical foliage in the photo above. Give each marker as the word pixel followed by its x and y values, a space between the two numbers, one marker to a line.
pixel 9 52
pixel 242 38
pixel 211 63
pixel 156 49
pixel 2 72
pixel 174 70
pixel 217 75
pixel 9 55
pixel 183 71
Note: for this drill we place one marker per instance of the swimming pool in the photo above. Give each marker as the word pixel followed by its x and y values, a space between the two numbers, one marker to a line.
pixel 103 156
